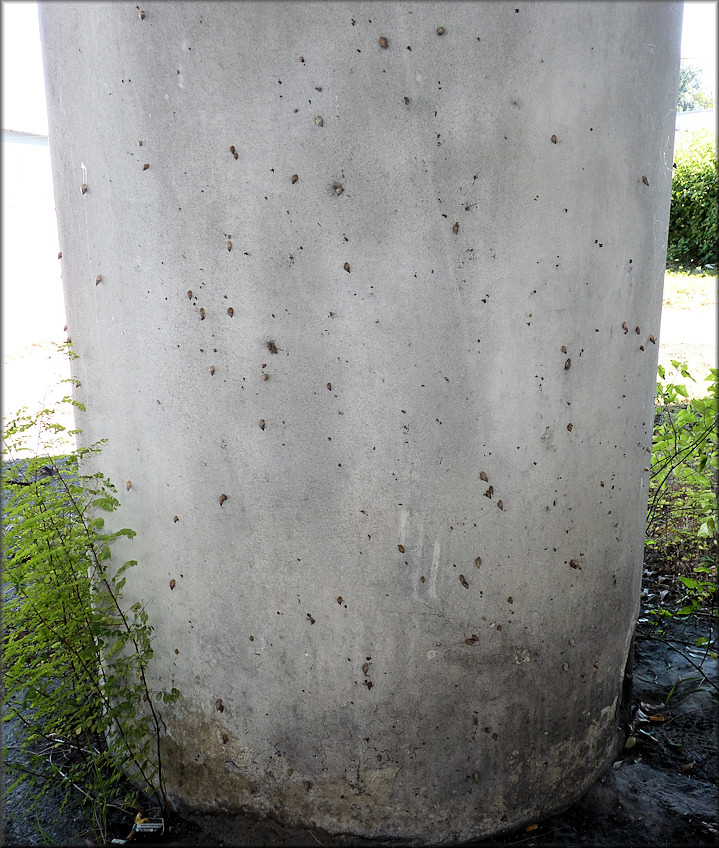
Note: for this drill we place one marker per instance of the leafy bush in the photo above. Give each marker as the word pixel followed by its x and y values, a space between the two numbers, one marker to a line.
pixel 682 513
pixel 685 452
pixel 693 216
pixel 74 657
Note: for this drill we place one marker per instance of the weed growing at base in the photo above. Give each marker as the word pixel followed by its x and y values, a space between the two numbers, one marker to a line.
pixel 682 512
pixel 75 658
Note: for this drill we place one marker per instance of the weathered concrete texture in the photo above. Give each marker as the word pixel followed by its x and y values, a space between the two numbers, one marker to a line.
pixel 443 258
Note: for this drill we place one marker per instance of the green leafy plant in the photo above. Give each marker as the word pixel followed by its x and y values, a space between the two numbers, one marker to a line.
pixel 75 657
pixel 701 590
pixel 695 195
pixel 681 515
pixel 685 454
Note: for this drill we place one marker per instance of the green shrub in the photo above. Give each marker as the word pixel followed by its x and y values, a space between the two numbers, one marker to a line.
pixel 74 656
pixel 685 455
pixel 682 525
pixel 693 216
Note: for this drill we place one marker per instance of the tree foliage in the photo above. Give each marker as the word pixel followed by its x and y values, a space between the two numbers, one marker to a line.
pixel 691 93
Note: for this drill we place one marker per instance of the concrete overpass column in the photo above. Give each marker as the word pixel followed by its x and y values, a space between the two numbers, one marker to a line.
pixel 366 298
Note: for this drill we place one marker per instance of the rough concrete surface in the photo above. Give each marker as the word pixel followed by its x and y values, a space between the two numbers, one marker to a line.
pixel 362 301
pixel 649 799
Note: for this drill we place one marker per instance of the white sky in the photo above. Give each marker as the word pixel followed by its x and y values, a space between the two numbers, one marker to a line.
pixel 699 39
pixel 23 87
pixel 23 92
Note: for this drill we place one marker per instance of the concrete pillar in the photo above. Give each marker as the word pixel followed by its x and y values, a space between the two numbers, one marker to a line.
pixel 375 344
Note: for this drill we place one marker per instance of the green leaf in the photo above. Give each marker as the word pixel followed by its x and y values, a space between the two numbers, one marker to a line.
pixel 707 529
